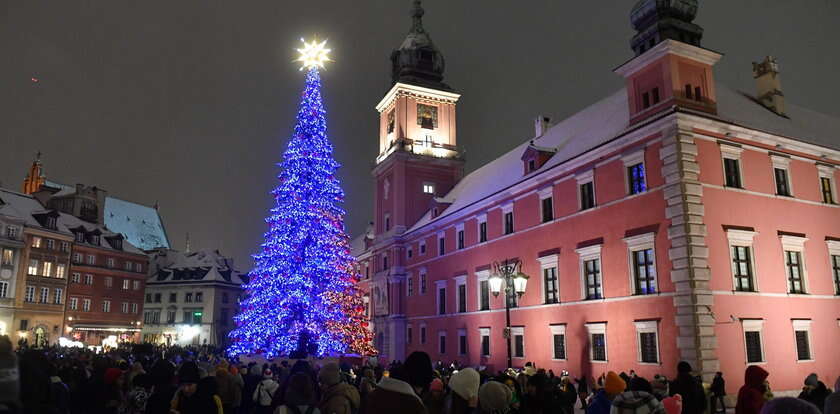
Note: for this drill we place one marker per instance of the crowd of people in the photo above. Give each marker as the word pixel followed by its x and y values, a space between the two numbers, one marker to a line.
pixel 143 379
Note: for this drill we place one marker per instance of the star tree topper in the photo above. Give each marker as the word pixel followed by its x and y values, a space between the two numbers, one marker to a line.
pixel 313 55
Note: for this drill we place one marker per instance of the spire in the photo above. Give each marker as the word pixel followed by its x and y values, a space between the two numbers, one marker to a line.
pixel 417 61
pixel 35 177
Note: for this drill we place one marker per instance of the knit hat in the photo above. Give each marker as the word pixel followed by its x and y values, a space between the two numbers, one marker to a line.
pixel 188 373
pixel 812 380
pixel 494 397
pixel 465 383
pixel 267 373
pixel 640 384
pixel 418 369
pixel 436 385
pixel 330 374
pixel 684 367
pixel 673 405
pixel 614 384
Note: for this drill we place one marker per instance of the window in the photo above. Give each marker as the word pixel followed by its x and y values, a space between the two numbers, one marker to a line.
pixel 65 247
pixel 636 178
pixel 45 295
pixel 124 307
pixel 138 267
pixel 408 334
pixel 33 267
pixel 422 247
pixel 532 165
pixel 688 92
pixel 188 297
pixel 645 100
pixel 441 244
pixel 409 252
pixel 170 316
pixel 409 286
pixel 647 333
pixel 586 190
pixel 461 238
pixel 24 324
pixel 558 337
pixel 508 217
pixel 12 232
pixel 385 261
pixel 110 262
pixel 802 338
pixel 47 269
pixel 387 222
pixel 74 303
pixel 50 244
pixel 4 289
pixel 835 268
pixel 109 282
pixel 482 228
pixel 548 268
pixel 597 341
pixel 518 335
pixel 135 285
pixel 173 297
pixel 547 205
pixel 753 343
pixel 86 305
pixel 423 334
pixel 484 333
pixel 655 94
pixel 442 342
pixel 88 279
pixel 91 259
pixel 742 268
pixel 134 308
pixel 422 283
pixel 106 306
pixel 461 288
pixel 8 257
pixel 782 186
pixel 731 165
pixel 428 188
pixel 77 258
pixel 644 272
pixel 76 277
pixel 60 271
pixel 199 296
pixel 441 297
pixel 30 294
pixel 157 297
pixel 793 265
pixel 79 236
pixel 36 242
pixel 483 290
pixel 148 298
pixel 590 259
pixel 127 266
pixel 462 342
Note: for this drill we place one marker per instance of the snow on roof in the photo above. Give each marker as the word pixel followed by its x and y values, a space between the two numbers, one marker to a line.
pixel 22 206
pixel 72 222
pixel 607 119
pixel 140 224
pixel 357 245
pixel 169 265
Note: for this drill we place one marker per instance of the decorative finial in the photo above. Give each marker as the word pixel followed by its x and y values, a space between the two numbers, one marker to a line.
pixel 417 13
pixel 313 55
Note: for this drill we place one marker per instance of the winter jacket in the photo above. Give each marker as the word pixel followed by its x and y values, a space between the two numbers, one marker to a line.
pixel 718 386
pixel 751 395
pixel 832 402
pixel 694 398
pixel 264 393
pixel 394 396
pixel 567 397
pixel 225 387
pixel 341 398
pixel 600 404
pixel 636 402
pixel 815 396
pixel 238 386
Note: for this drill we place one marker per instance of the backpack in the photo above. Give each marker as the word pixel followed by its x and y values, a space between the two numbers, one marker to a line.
pixel 262 396
pixel 295 410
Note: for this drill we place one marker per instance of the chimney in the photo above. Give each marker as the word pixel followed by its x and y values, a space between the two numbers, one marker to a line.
pixel 541 124
pixel 769 85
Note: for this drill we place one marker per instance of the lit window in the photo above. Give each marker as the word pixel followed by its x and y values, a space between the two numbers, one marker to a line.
pixel 33 267
pixel 428 188
pixel 47 269
pixel 36 242
pixel 558 338
pixel 753 340
pixel 427 116
pixel 61 271
pixel 8 257
pixel 597 341
pixel 642 263
pixel 647 333
pixel 126 284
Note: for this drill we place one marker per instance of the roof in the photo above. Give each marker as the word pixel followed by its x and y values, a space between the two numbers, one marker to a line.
pixel 22 206
pixel 72 222
pixel 609 118
pixel 139 224
pixel 172 266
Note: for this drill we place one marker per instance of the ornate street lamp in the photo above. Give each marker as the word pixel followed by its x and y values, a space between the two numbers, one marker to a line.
pixel 509 274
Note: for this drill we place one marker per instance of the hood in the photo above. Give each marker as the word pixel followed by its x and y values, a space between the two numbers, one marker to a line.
pixel 755 375
pixel 346 390
pixel 395 385
pixel 634 399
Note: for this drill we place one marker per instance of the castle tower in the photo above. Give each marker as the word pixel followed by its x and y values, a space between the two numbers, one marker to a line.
pixel 35 177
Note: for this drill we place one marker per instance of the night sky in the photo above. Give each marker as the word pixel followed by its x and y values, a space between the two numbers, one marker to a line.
pixel 189 103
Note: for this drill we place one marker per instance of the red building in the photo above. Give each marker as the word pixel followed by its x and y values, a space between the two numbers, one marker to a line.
pixel 676 219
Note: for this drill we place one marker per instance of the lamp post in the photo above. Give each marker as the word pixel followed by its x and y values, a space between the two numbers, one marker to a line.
pixel 510 273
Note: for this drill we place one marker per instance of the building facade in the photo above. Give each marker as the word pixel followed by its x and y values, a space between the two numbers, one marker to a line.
pixel 11 250
pixel 191 298
pixel 676 219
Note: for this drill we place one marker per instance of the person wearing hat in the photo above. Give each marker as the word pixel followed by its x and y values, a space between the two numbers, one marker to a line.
pixel 602 401
pixel 401 390
pixel 434 399
pixel 567 395
pixel 464 396
pixel 751 395
pixel 337 397
pixel 691 389
pixel 188 377
pixel 814 391
pixel 494 398
pixel 638 399
pixel 263 395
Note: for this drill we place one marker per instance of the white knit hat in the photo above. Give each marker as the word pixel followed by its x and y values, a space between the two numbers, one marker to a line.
pixel 465 383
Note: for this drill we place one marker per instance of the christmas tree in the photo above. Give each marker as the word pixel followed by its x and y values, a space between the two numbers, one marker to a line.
pixel 301 298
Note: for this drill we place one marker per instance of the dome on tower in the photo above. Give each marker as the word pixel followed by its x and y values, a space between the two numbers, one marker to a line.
pixel 417 61
pixel 658 20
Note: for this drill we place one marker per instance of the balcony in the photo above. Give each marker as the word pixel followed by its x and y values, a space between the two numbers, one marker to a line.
pixel 427 148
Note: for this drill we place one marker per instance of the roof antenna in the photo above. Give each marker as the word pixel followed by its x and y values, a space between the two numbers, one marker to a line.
pixel 188 243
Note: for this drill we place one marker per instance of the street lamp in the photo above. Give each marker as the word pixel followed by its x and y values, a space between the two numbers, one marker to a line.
pixel 510 273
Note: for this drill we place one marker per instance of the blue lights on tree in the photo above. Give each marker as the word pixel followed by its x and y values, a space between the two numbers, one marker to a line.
pixel 301 298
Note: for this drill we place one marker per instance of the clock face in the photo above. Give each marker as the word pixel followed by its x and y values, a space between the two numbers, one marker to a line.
pixel 6 274
pixel 427 116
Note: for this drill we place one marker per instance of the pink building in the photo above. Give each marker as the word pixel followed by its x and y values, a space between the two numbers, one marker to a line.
pixel 674 220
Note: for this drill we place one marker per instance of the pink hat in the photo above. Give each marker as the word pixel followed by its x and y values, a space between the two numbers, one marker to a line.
pixel 436 385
